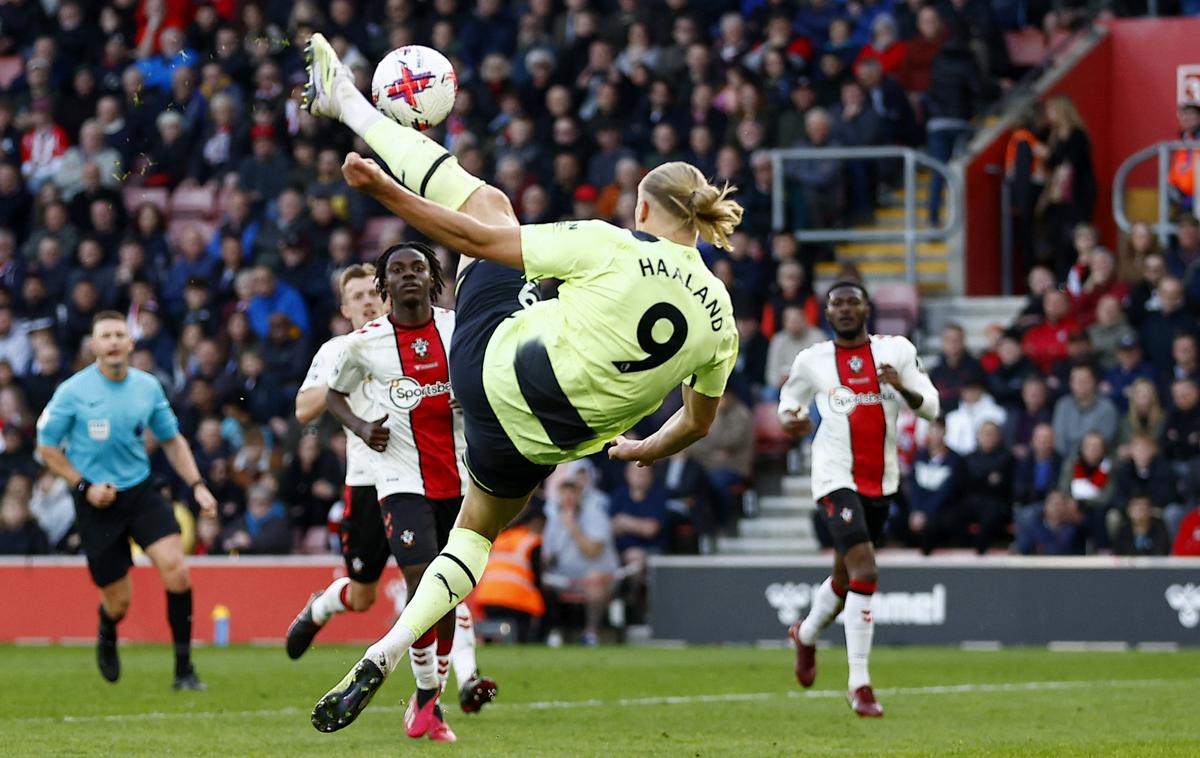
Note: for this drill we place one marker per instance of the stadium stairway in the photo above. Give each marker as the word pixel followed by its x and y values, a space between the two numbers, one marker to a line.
pixel 783 526
pixel 884 261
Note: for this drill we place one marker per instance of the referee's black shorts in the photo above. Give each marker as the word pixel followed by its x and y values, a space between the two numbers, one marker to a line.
pixel 139 513
pixel 487 294
pixel 853 519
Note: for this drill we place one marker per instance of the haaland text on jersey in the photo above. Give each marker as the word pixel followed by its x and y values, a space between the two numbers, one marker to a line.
pixel 659 268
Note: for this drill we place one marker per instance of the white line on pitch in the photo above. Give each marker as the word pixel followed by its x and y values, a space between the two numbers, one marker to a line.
pixel 731 697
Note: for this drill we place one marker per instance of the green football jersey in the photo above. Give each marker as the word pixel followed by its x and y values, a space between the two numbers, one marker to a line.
pixel 635 316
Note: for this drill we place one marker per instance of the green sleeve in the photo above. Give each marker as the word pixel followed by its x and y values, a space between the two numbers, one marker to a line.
pixel 710 380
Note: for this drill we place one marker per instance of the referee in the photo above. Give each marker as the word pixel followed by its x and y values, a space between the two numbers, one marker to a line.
pixel 101 414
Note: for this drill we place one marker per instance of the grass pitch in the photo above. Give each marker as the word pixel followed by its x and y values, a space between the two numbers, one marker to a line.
pixel 613 701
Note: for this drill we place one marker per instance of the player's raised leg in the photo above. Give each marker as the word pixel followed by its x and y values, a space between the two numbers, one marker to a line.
pixel 448 580
pixel 419 163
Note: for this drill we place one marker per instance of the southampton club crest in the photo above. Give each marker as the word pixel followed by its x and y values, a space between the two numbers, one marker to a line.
pixel 855 364
pixel 407 538
pixel 421 347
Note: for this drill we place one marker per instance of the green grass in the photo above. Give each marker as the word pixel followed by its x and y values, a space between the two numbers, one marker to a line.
pixel 1139 704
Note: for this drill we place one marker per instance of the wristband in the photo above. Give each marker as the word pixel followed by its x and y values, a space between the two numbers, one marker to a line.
pixel 82 486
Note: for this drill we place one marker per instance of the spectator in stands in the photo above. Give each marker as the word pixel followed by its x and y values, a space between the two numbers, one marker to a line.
pixel 749 371
pixel 272 296
pixel 1159 329
pixel 987 483
pixel 727 455
pixel 1035 409
pixel 1006 381
pixel 42 147
pixel 640 528
pixel 1133 250
pixel 1038 282
pixel 261 529
pixel 797 334
pixel 1088 476
pixel 1187 537
pixel 955 92
pixel 975 408
pixel 1101 282
pixel 1184 252
pixel 263 174
pixel 954 368
pixel 885 45
pixel 91 149
pixel 920 51
pixel 1083 411
pixel 1130 366
pixel 1079 350
pixel 1085 240
pixel 1141 532
pixel 310 488
pixel 1070 194
pixel 1145 473
pixel 53 506
pixel 1109 332
pixel 1057 532
pixel 1046 342
pixel 19 531
pixel 15 348
pixel 932 489
pixel 1145 414
pixel 820 179
pixel 579 560
pixel 791 288
pixel 1037 471
pixel 1143 298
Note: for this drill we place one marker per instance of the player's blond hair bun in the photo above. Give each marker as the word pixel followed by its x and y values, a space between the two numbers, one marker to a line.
pixel 682 190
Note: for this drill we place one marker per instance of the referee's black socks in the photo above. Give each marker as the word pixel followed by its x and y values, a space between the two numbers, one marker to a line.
pixel 179 616
pixel 108 626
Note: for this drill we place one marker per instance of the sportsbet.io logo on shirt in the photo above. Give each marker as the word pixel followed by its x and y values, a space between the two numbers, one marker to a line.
pixel 406 393
pixel 843 400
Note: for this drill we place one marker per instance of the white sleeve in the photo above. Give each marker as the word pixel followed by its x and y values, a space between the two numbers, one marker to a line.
pixel 348 371
pixel 322 365
pixel 797 392
pixel 912 373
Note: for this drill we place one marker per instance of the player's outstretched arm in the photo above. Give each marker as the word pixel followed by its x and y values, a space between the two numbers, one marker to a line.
pixel 455 230
pixel 688 424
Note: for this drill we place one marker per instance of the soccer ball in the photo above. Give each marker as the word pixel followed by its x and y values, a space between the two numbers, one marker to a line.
pixel 415 86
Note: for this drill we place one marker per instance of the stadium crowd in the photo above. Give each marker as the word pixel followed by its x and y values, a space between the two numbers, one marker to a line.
pixel 154 159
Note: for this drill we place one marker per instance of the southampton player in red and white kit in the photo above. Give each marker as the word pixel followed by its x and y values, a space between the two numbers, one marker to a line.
pixel 413 442
pixel 860 383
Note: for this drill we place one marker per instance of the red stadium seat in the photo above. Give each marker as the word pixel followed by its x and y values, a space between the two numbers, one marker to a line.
pixel 1025 48
pixel 11 67
pixel 769 437
pixel 380 231
pixel 136 196
pixel 193 202
pixel 897 307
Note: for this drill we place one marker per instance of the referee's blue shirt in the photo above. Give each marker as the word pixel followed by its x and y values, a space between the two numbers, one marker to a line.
pixel 103 424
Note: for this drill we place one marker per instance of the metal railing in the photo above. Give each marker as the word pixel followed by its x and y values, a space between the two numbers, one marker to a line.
pixel 1162 150
pixel 910 234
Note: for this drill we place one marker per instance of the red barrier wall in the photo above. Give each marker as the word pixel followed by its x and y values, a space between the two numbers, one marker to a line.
pixel 1125 91
pixel 55 600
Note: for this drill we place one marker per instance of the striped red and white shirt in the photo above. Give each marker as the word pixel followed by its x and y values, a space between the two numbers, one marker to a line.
pixel 855 444
pixel 404 372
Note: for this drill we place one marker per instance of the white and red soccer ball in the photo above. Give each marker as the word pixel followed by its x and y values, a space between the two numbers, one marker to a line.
pixel 415 86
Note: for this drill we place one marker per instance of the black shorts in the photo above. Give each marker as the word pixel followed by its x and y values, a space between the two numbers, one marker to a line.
pixel 487 294
pixel 140 513
pixel 364 546
pixel 417 527
pixel 853 519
